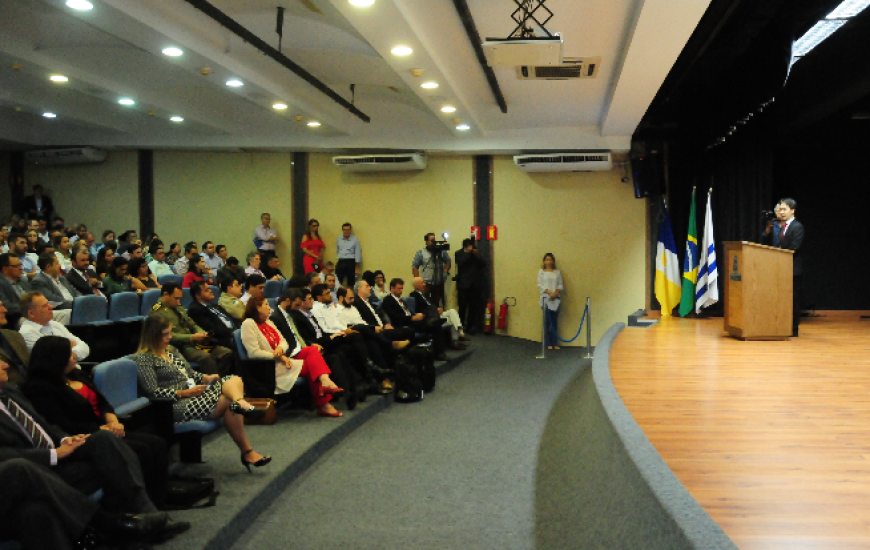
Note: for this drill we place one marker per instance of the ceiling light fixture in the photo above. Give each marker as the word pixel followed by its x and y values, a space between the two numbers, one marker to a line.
pixel 402 51
pixel 81 5
pixel 58 78
pixel 279 106
pixel 176 119
pixel 314 124
pixel 361 3
pixel 429 85
pixel 827 26
pixel 172 52
pixel 448 109
pixel 463 127
pixel 235 83
pixel 126 101
pixel 49 115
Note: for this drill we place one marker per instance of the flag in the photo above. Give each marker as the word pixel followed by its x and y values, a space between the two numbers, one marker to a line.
pixel 707 291
pixel 690 264
pixel 667 267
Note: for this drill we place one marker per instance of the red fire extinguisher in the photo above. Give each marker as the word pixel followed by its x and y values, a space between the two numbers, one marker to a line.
pixel 502 315
pixel 487 324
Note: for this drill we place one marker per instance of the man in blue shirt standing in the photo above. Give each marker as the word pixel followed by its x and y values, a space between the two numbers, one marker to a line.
pixel 349 256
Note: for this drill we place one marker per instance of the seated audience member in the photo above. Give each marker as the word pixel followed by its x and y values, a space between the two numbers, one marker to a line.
pixel 33 241
pixel 38 322
pixel 401 316
pixel 141 277
pixel 371 318
pixel 4 238
pixel 222 253
pixel 146 245
pixel 81 233
pixel 158 264
pixel 67 398
pixel 255 285
pixel 90 242
pixel 197 271
pixel 164 373
pixel 116 280
pixel 134 250
pixel 313 279
pixel 369 277
pixel 108 236
pixel 328 316
pixel 182 265
pixel 380 288
pixel 12 286
pixel 126 239
pixel 298 281
pixel 263 341
pixel 18 246
pixel 384 336
pixel 212 260
pixel 231 272
pixel 55 287
pixel 83 277
pixel 44 234
pixel 231 292
pixel 62 247
pixel 173 254
pixel 271 270
pixel 253 268
pixel 422 304
pixel 191 340
pixel 33 223
pixel 104 259
pixel 330 284
pixel 327 269
pixel 214 319
pixel 13 351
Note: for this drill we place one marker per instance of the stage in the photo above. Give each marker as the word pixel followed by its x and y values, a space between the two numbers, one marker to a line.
pixel 771 438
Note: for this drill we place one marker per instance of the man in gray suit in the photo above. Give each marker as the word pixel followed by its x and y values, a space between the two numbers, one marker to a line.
pixel 12 286
pixel 54 286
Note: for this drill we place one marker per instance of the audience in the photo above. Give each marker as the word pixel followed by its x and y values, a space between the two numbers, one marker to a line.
pixel 13 350
pixel 134 250
pixel 231 292
pixel 173 254
pixel 164 373
pixel 255 285
pixel 18 246
pixel 126 239
pixel 43 230
pixel 231 272
pixel 400 316
pixel 423 304
pixel 104 259
pixel 62 248
pixel 81 233
pixel 253 268
pixel 4 238
pixel 271 271
pixel 197 271
pixel 38 322
pixel 141 277
pixel 214 319
pixel 12 286
pixel 116 279
pixel 330 284
pixel 265 236
pixel 327 269
pixel 33 241
pixel 55 287
pixel 380 288
pixel 182 265
pixel 83 277
pixel 158 264
pixel 212 261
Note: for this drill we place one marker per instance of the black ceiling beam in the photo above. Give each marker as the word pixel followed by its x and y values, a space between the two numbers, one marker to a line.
pixel 474 37
pixel 249 37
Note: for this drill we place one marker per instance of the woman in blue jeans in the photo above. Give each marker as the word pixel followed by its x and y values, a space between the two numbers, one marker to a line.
pixel 550 286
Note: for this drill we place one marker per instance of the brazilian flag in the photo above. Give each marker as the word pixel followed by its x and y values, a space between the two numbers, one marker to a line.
pixel 690 264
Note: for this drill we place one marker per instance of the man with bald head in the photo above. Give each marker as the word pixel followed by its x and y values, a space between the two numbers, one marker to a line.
pixel 423 303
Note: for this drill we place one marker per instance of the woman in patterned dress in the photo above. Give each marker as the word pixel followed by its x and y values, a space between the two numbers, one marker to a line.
pixel 163 372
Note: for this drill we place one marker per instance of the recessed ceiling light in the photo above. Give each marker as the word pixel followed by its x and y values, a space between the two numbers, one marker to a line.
pixel 176 119
pixel 126 101
pixel 361 3
pixel 82 5
pixel 279 106
pixel 402 50
pixel 235 83
pixel 463 127
pixel 58 78
pixel 848 9
pixel 429 85
pixel 448 109
pixel 172 52
pixel 314 124
pixel 49 115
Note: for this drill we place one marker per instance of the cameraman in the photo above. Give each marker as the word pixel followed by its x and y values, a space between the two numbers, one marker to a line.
pixel 433 264
pixel 470 285
pixel 788 233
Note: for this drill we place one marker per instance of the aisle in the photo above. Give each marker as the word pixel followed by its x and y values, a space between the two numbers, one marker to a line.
pixel 454 471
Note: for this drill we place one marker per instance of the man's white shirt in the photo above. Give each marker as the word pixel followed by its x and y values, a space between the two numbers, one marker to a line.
pixel 31 332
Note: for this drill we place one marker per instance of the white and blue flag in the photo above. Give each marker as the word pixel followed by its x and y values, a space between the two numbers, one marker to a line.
pixel 706 289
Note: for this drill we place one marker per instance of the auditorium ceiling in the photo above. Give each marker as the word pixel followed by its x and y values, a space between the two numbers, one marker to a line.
pixel 114 51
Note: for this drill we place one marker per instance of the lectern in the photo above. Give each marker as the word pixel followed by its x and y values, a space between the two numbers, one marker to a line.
pixel 758 291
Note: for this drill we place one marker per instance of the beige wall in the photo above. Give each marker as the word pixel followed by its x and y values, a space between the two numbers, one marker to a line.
pixel 5 190
pixel 219 197
pixel 595 228
pixel 102 196
pixel 391 212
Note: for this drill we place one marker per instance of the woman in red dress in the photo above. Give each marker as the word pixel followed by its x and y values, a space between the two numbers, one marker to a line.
pixel 312 246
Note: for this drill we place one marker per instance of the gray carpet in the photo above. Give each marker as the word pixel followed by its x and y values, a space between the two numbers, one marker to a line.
pixel 454 471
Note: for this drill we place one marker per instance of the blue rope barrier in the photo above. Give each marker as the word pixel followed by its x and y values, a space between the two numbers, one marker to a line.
pixel 553 332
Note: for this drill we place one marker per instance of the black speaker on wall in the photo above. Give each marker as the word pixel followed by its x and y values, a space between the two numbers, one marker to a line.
pixel 645 175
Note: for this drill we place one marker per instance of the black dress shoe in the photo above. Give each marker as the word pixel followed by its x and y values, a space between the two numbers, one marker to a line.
pixel 129 527
pixel 351 401
pixel 172 528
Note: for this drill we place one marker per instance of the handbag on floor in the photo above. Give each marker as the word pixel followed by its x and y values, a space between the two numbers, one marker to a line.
pixel 409 387
pixel 183 493
pixel 424 360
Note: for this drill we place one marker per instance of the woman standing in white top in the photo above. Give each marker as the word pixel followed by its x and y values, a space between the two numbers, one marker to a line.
pixel 550 286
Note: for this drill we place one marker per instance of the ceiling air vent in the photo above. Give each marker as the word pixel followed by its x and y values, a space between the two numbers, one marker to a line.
pixel 382 163
pixel 572 162
pixel 571 68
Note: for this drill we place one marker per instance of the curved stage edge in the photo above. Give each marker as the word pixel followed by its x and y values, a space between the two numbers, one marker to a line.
pixel 602 484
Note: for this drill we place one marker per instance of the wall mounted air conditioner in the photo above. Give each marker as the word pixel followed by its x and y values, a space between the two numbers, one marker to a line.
pixel 77 155
pixel 565 162
pixel 382 163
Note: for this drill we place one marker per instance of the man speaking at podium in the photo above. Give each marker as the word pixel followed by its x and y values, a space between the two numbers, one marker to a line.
pixel 788 233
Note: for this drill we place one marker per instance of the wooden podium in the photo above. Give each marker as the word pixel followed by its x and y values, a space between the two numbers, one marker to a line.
pixel 758 291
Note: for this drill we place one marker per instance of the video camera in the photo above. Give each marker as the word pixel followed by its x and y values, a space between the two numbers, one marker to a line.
pixel 439 246
pixel 768 216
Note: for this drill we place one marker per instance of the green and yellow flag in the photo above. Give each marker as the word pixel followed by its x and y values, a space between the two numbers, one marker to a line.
pixel 690 264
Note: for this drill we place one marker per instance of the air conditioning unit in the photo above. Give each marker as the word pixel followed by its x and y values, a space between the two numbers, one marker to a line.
pixel 571 68
pixel 382 163
pixel 565 162
pixel 56 157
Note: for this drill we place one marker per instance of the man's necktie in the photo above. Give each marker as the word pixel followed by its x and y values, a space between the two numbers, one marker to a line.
pixel 39 440
pixel 782 233
pixel 295 332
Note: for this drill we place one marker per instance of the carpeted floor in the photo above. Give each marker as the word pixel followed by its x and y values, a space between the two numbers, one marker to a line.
pixel 454 471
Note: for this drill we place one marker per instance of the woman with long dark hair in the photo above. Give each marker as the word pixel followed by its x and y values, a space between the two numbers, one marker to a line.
pixel 67 398
pixel 105 256
pixel 550 286
pixel 141 278
pixel 115 280
pixel 312 246
pixel 197 271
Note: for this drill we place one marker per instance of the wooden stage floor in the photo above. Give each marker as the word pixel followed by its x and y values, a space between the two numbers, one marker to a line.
pixel 771 438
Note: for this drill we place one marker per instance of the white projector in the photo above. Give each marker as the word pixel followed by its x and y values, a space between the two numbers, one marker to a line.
pixel 516 52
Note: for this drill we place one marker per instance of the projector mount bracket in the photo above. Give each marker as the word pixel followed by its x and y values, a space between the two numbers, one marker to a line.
pixel 525 14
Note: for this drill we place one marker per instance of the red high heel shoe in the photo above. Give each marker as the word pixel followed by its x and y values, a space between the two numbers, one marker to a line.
pixel 336 414
pixel 325 390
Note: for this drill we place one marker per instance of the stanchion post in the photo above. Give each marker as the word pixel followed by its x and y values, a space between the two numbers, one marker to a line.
pixel 543 332
pixel 588 328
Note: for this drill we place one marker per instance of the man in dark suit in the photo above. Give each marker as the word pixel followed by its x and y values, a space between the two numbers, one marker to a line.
pixel 12 286
pixel 470 286
pixel 37 206
pixel 13 351
pixel 788 233
pixel 54 286
pixel 82 277
pixel 425 328
pixel 85 462
pixel 212 318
